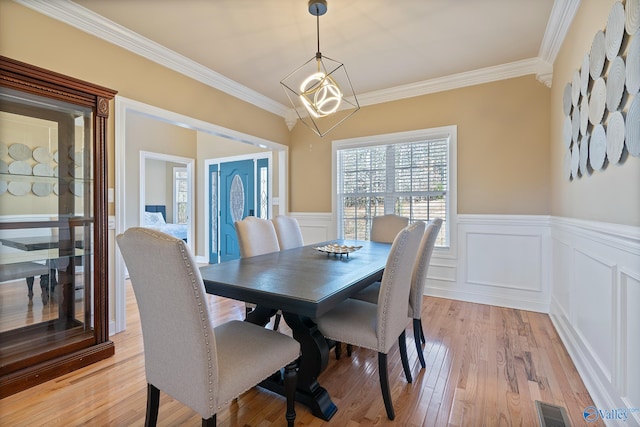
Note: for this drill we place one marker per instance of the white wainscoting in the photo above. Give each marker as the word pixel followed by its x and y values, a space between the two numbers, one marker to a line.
pixel 595 307
pixel 585 274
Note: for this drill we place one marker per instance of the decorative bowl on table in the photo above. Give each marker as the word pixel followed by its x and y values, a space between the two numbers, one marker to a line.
pixel 336 249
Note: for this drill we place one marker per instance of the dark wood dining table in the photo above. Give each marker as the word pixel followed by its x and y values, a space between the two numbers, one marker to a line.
pixel 303 283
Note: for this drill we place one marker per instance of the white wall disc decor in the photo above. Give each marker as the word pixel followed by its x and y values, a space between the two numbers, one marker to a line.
pixel 632 16
pixel 584 75
pixel 584 116
pixel 566 99
pixel 633 66
pixel 575 124
pixel 42 169
pixel 615 137
pixel 19 152
pixel 566 132
pixel 632 134
pixel 584 155
pixel 55 157
pixel 42 155
pixel 615 83
pixel 597 147
pixel 4 167
pixel 597 101
pixel 575 88
pixel 575 160
pixel 597 55
pixel 615 30
pixel 19 188
pixel 77 188
pixel 566 164
pixel 20 168
pixel 42 189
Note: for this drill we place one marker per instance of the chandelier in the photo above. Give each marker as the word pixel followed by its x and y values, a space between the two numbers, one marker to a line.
pixel 320 90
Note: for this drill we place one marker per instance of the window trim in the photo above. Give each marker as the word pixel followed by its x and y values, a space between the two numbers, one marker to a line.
pixel 444 132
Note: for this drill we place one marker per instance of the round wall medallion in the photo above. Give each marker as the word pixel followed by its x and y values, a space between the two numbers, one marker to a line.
pixel 597 55
pixel 19 152
pixel 19 188
pixel 615 83
pixel 615 30
pixel 584 155
pixel 632 134
pixel 597 147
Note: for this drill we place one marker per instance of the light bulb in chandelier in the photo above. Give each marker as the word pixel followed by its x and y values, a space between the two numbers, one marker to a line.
pixel 320 95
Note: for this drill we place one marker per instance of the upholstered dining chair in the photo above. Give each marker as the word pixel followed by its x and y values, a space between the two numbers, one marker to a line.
pixel 202 366
pixel 379 326
pixel 257 236
pixel 418 282
pixel 384 229
pixel 288 232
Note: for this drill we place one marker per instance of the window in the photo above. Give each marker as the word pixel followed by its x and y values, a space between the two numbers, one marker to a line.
pixel 407 174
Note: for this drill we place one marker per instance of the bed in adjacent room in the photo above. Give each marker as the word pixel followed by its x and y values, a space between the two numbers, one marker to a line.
pixel 155 217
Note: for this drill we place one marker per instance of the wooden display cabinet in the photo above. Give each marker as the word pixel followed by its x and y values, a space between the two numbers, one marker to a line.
pixel 53 225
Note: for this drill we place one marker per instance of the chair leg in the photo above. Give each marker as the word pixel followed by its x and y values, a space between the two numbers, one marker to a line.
pixel 290 383
pixel 349 350
pixel 276 322
pixel 402 345
pixel 338 350
pixel 421 332
pixel 417 329
pixel 153 403
pixel 209 422
pixel 384 385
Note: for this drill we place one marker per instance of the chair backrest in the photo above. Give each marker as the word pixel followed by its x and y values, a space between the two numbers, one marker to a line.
pixel 385 228
pixel 393 299
pixel 179 342
pixel 288 232
pixel 421 267
pixel 256 236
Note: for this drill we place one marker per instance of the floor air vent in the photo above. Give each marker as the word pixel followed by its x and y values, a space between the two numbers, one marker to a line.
pixel 551 415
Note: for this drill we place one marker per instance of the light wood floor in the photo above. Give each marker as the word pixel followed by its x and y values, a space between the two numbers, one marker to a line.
pixel 485 367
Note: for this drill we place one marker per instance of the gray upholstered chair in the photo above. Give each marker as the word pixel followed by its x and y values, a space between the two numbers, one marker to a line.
pixel 257 236
pixel 418 282
pixel 385 228
pixel 202 366
pixel 378 326
pixel 288 232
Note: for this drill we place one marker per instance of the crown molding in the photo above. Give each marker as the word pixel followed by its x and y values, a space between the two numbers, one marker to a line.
pixel 85 20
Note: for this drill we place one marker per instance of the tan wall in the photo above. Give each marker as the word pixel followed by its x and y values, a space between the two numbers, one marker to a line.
pixel 609 195
pixel 34 38
pixel 503 148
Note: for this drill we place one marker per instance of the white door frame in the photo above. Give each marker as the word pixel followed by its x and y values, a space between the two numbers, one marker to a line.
pixel 125 106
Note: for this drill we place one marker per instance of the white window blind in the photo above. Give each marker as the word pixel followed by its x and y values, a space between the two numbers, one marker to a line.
pixel 410 179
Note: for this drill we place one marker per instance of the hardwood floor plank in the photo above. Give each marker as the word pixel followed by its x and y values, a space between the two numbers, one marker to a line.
pixel 486 366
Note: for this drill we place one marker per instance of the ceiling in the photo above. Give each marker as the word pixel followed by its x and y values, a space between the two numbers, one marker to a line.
pixel 385 45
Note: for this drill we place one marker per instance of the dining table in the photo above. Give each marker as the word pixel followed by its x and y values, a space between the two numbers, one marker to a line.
pixel 303 283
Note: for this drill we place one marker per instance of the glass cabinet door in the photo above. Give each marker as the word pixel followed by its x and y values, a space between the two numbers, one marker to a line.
pixel 53 281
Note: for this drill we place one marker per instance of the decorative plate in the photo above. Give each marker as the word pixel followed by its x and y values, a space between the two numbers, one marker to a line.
pixel 19 152
pixel 20 168
pixel 584 75
pixel 77 188
pixel 615 30
pixel 3 150
pixel 42 155
pixel 76 157
pixel 566 164
pixel 4 167
pixel 615 137
pixel 575 88
pixel 55 157
pixel 633 66
pixel 597 147
pixel 56 189
pixel 615 83
pixel 76 172
pixel 584 155
pixel 632 136
pixel 566 132
pixel 19 188
pixel 575 125
pixel 55 171
pixel 42 169
pixel 597 55
pixel 566 99
pixel 632 16
pixel 597 101
pixel 575 160
pixel 584 115
pixel 336 249
pixel 42 189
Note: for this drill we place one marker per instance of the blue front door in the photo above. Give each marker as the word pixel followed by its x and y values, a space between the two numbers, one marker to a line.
pixel 237 200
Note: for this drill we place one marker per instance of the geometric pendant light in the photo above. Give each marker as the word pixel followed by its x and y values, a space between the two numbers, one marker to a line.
pixel 320 90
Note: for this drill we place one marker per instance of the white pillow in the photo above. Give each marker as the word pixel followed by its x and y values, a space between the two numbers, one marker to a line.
pixel 153 218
